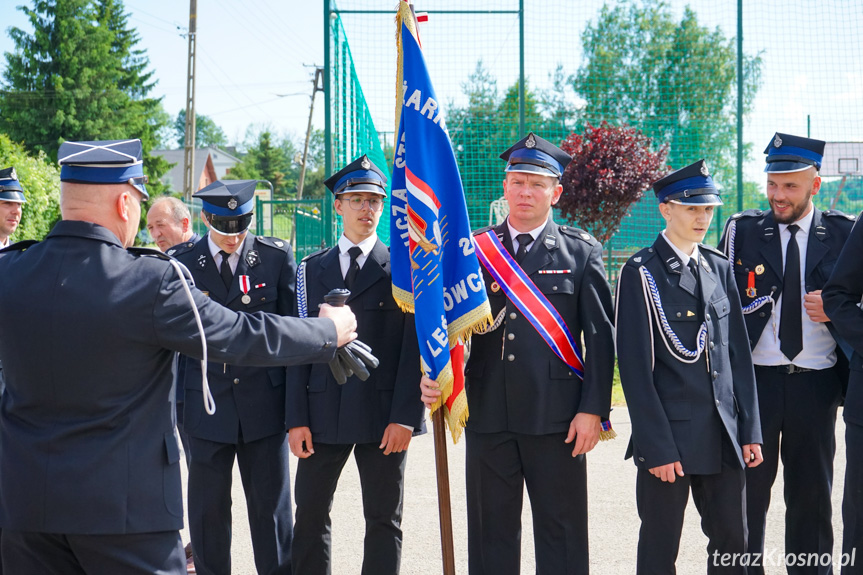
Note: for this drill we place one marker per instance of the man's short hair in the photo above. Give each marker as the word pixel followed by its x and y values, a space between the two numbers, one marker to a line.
pixel 176 207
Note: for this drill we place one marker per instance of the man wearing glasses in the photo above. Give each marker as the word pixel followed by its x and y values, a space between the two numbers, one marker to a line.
pixel 249 274
pixel 375 419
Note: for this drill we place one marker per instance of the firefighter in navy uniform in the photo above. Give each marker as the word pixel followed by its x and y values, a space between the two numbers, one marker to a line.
pixel 799 367
pixel 90 478
pixel 842 295
pixel 244 273
pixel 532 418
pixel 687 375
pixel 373 419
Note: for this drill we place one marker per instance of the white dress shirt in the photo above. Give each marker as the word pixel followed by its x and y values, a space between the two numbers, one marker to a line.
pixel 819 347
pixel 233 259
pixel 345 258
pixel 684 258
pixel 534 233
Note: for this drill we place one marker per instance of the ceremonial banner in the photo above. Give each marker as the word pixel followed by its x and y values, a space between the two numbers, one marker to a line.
pixel 435 270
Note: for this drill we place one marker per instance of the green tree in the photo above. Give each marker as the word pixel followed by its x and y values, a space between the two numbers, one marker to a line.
pixel 676 81
pixel 271 160
pixel 41 182
pixel 80 76
pixel 207 132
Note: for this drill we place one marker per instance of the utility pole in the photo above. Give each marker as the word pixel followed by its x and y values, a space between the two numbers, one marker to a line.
pixel 189 149
pixel 318 86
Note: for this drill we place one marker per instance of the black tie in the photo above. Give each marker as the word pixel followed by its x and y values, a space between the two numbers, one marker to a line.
pixel 225 269
pixel 353 267
pixel 523 241
pixel 790 319
pixel 693 269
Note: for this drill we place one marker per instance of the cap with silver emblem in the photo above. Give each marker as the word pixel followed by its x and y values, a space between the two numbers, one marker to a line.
pixel 787 153
pixel 361 175
pixel 689 185
pixel 534 155
pixel 228 205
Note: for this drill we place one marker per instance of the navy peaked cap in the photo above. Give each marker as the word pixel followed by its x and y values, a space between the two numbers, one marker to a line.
pixel 689 185
pixel 787 153
pixel 361 175
pixel 228 197
pixel 535 155
pixel 10 187
pixel 103 162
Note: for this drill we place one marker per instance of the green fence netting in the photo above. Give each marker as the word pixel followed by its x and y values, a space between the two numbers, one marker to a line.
pixel 669 69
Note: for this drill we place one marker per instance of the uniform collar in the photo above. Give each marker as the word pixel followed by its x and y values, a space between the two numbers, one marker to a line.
pixel 365 246
pixel 534 233
pixel 804 223
pixel 684 258
pixel 214 249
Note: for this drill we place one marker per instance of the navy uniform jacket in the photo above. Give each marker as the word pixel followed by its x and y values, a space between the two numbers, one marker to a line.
pixel 251 397
pixel 359 411
pixel 524 387
pixel 841 297
pixel 757 243
pixel 680 411
pixel 88 336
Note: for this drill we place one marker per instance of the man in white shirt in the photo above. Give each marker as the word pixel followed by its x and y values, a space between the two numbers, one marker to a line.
pixel 373 419
pixel 782 257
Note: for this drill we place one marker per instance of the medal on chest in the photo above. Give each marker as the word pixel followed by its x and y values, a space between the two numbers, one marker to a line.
pixel 245 285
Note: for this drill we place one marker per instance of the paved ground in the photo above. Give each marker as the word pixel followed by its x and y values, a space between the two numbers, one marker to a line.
pixel 613 519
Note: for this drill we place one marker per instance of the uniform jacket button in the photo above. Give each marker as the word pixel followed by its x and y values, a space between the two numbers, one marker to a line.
pixel 679 314
pixel 510 336
pixel 715 374
pixel 510 357
pixel 707 317
pixel 513 315
pixel 236 380
pixel 380 304
pixel 554 288
pixel 712 345
pixel 717 402
pixel 761 314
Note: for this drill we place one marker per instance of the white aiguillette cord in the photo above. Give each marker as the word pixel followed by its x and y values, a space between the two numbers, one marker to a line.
pixel 209 402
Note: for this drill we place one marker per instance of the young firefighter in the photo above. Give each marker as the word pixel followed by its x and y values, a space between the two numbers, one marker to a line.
pixel 687 374
pixel 376 418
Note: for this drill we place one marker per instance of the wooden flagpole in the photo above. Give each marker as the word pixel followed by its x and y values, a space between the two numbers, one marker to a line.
pixel 443 496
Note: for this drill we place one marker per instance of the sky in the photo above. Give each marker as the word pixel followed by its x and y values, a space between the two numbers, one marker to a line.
pixel 254 59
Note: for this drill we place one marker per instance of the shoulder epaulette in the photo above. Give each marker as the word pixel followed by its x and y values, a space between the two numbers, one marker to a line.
pixel 148 252
pixel 483 230
pixel 837 213
pixel 713 250
pixel 20 246
pixel 641 256
pixel 315 254
pixel 180 248
pixel 277 243
pixel 577 233
pixel 753 213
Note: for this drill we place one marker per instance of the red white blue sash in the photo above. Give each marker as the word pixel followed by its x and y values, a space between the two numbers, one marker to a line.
pixel 522 292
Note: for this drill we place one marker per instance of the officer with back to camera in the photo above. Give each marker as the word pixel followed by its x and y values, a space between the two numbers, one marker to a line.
pixel 91 474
